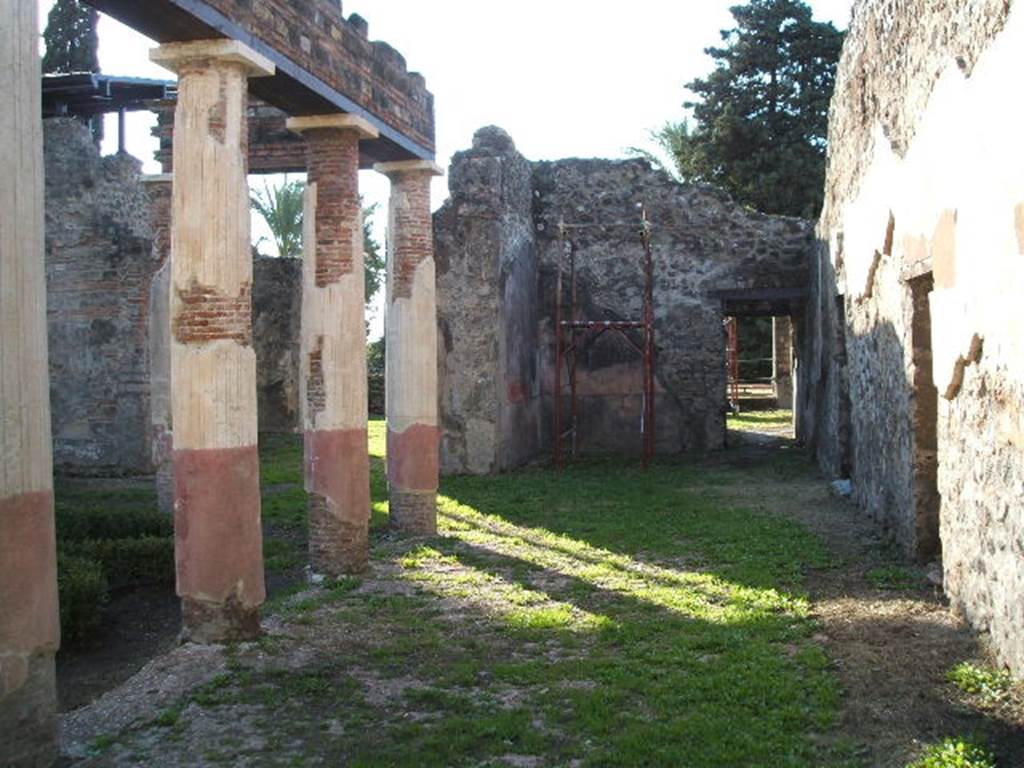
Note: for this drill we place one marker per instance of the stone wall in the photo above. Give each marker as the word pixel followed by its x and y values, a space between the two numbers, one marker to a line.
pixel 276 316
pixel 107 281
pixel 100 262
pixel 497 245
pixel 922 235
pixel 487 310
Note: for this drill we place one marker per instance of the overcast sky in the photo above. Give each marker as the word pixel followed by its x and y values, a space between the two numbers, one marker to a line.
pixel 585 79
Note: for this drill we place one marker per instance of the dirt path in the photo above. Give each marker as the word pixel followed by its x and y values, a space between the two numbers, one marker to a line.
pixel 892 645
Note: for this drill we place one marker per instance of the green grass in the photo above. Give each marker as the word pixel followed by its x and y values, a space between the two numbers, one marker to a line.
pixel 893 577
pixel 604 615
pixel 955 753
pixel 755 420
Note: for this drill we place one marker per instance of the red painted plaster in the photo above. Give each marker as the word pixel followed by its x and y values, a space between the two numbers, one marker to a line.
pixel 29 619
pixel 337 464
pixel 413 459
pixel 218 539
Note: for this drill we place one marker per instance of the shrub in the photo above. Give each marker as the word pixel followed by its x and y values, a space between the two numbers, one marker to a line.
pixel 956 753
pixel 986 682
pixel 146 560
pixel 79 524
pixel 82 591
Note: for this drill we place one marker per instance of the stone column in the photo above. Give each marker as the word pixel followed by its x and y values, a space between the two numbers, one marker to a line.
pixel 411 322
pixel 218 539
pixel 29 623
pixel 782 362
pixel 332 381
pixel 159 190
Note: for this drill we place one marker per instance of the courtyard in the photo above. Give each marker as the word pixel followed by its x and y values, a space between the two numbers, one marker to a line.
pixel 716 611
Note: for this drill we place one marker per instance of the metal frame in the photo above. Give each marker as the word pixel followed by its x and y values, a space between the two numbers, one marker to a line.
pixel 732 357
pixel 574 335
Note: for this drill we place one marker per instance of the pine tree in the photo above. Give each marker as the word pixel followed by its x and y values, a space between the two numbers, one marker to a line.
pixel 71 39
pixel 761 117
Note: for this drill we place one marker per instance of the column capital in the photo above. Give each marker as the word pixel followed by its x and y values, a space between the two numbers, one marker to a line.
pixel 175 56
pixel 337 121
pixel 401 167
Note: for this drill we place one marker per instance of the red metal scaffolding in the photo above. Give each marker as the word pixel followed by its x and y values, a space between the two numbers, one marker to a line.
pixel 732 356
pixel 575 334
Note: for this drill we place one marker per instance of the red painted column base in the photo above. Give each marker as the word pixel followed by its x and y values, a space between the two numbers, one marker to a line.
pixel 29 630
pixel 218 543
pixel 413 465
pixel 28 716
pixel 338 483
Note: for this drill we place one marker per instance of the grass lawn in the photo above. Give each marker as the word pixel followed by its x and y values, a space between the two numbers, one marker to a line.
pixel 605 616
pixel 757 420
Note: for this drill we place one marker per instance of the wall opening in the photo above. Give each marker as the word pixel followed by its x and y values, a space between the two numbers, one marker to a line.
pixel 842 383
pixel 925 409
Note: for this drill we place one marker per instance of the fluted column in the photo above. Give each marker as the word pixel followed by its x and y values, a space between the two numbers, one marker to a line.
pixel 332 381
pixel 29 624
pixel 218 538
pixel 413 434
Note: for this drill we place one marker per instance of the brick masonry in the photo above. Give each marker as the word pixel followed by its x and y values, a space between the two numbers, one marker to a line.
pixel 334 168
pixel 106 248
pixel 412 234
pixel 205 315
pixel 101 257
pixel 315 35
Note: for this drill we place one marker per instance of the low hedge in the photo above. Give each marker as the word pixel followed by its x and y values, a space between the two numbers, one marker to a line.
pixel 125 562
pixel 82 591
pixel 111 523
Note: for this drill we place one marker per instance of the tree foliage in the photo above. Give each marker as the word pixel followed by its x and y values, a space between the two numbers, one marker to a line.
pixel 71 39
pixel 374 260
pixel 761 116
pixel 281 208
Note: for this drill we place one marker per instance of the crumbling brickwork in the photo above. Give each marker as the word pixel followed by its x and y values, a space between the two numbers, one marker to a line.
pixel 497 245
pixel 315 35
pixel 915 312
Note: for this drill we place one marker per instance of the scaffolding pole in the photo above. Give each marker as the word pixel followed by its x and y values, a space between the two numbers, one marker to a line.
pixel 573 334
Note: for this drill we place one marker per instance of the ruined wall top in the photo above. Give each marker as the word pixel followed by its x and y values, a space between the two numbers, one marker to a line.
pixel 897 47
pixel 324 61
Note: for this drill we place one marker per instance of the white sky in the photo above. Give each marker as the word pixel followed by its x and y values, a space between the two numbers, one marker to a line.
pixel 565 79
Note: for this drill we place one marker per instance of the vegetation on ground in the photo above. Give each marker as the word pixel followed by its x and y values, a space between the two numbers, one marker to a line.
pixel 893 577
pixel 956 753
pixel 754 420
pixel 987 683
pixel 107 540
pixel 605 614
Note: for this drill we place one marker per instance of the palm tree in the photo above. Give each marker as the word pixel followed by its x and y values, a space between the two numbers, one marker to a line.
pixel 281 207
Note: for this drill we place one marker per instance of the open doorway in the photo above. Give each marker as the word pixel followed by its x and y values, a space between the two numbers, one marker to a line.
pixel 759 369
pixel 925 410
